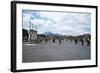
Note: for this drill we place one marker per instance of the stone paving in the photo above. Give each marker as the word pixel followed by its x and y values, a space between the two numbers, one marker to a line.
pixel 49 51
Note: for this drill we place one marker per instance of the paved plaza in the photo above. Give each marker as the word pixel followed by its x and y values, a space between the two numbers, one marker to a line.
pixel 49 51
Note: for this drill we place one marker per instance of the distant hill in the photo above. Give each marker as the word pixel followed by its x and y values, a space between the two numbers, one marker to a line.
pixel 50 33
pixel 85 35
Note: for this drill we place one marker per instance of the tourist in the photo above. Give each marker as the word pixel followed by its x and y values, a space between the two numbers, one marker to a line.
pixel 88 42
pixel 53 40
pixel 82 42
pixel 59 41
pixel 76 41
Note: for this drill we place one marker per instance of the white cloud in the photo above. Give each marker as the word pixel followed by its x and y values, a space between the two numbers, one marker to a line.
pixel 60 22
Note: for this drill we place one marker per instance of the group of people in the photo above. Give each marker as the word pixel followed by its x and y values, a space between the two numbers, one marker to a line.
pixel 87 41
pixel 82 40
pixel 58 40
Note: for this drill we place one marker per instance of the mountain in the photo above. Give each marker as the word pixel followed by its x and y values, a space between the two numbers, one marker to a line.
pixel 49 33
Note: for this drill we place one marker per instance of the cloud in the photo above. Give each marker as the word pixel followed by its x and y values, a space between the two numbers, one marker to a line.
pixel 58 22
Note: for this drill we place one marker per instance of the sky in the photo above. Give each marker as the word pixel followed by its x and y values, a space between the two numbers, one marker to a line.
pixel 65 23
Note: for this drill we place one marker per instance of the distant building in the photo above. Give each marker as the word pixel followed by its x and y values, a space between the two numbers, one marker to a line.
pixel 32 34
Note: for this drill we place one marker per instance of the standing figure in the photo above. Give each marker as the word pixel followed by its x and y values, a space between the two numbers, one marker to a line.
pixel 70 39
pixel 66 39
pixel 60 41
pixel 82 42
pixel 45 39
pixel 76 41
pixel 88 42
pixel 53 40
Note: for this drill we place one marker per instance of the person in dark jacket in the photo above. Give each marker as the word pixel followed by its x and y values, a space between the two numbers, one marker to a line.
pixel 53 40
pixel 76 41
pixel 46 40
pixel 88 42
pixel 82 42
